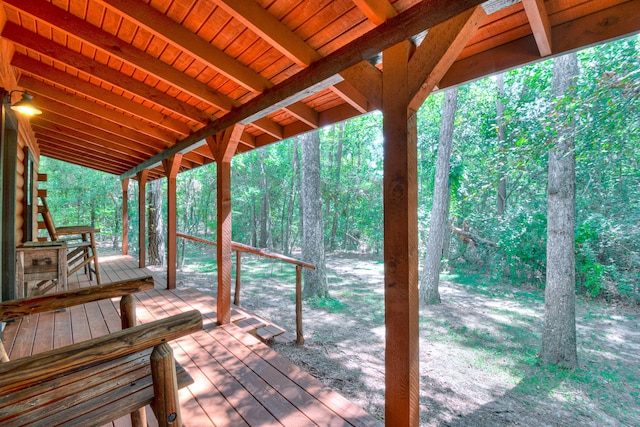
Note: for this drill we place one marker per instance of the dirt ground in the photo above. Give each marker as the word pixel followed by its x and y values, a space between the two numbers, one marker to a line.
pixel 477 349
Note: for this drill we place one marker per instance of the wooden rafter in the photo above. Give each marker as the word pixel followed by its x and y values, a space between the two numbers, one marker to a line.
pixel 79 62
pixel 422 16
pixel 164 27
pixel 303 113
pixel 377 11
pixel 86 106
pixel 539 20
pixel 97 93
pixel 605 24
pixel 269 28
pixel 438 50
pixel 117 48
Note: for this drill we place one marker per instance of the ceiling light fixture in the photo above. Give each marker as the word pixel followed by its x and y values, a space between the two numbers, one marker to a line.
pixel 25 106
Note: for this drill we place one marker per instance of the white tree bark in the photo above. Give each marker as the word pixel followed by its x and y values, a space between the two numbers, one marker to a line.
pixel 429 279
pixel 559 333
pixel 315 281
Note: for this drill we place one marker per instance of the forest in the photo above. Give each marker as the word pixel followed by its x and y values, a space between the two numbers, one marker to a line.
pixel 503 129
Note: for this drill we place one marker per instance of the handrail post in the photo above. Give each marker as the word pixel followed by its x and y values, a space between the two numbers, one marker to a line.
pixel 299 336
pixel 236 295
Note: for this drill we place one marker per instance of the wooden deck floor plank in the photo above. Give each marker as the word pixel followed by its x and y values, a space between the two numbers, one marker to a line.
pixel 97 325
pixel 243 405
pixel 333 400
pixel 111 313
pixel 292 391
pixel 238 380
pixel 80 330
pixel 277 404
pixel 62 329
pixel 243 402
pixel 188 352
pixel 23 343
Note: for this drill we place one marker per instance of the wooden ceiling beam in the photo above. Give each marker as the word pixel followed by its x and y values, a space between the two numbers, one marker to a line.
pixel 539 20
pixel 67 125
pixel 68 99
pixel 88 153
pixel 78 160
pixel 607 24
pixel 270 127
pixel 75 27
pixel 304 113
pixel 50 106
pixel 352 96
pixel 261 22
pixel 79 62
pixel 164 27
pixel 418 18
pixel 77 138
pixel 85 153
pixel 438 51
pixel 377 11
pixel 73 83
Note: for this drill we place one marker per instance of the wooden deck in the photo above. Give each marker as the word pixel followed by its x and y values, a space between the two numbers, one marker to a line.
pixel 239 381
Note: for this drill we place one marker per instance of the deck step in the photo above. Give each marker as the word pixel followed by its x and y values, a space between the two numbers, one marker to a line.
pixel 269 332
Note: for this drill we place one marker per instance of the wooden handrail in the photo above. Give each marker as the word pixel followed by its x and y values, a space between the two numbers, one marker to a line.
pixel 239 248
pixel 13 309
pixel 31 369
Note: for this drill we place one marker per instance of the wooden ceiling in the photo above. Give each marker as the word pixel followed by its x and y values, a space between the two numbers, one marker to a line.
pixel 124 84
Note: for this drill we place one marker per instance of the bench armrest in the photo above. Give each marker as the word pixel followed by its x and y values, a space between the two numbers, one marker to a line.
pixel 21 373
pixel 23 307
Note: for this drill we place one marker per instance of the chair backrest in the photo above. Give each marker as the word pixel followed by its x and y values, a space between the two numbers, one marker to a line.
pixel 48 219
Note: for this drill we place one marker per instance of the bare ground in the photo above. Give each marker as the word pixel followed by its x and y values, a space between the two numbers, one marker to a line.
pixel 478 364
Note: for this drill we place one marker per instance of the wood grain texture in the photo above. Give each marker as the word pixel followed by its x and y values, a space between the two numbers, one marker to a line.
pixel 39 304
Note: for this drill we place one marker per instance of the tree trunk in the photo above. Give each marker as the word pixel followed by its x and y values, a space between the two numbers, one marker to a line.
pixel 336 187
pixel 559 333
pixel 315 281
pixel 429 293
pixel 265 214
pixel 502 180
pixel 155 226
pixel 287 245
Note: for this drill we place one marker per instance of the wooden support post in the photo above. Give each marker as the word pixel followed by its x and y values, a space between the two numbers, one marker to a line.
pixel 125 216
pixel 127 311
pixel 400 182
pixel 236 294
pixel 223 146
pixel 165 386
pixel 223 250
pixel 171 169
pixel 142 218
pixel 128 320
pixel 299 335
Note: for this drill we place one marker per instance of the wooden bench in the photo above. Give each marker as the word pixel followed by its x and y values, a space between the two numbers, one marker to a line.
pixel 98 380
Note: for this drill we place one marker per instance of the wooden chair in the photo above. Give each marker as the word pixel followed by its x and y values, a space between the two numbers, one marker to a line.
pixel 102 379
pixel 80 241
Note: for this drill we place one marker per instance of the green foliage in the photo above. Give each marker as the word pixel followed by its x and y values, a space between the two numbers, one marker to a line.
pixel 329 304
pixel 607 148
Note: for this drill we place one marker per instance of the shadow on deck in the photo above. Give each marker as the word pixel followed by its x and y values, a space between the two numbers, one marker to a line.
pixel 239 381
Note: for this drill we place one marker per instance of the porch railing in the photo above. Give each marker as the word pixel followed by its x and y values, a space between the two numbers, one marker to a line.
pixel 240 248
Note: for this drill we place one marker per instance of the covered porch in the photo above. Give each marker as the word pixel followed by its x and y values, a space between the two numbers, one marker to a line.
pixel 238 380
pixel 146 90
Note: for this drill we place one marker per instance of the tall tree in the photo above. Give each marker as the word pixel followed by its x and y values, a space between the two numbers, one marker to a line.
pixel 155 224
pixel 265 212
pixel 335 193
pixel 429 293
pixel 315 281
pixel 559 333
pixel 502 180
